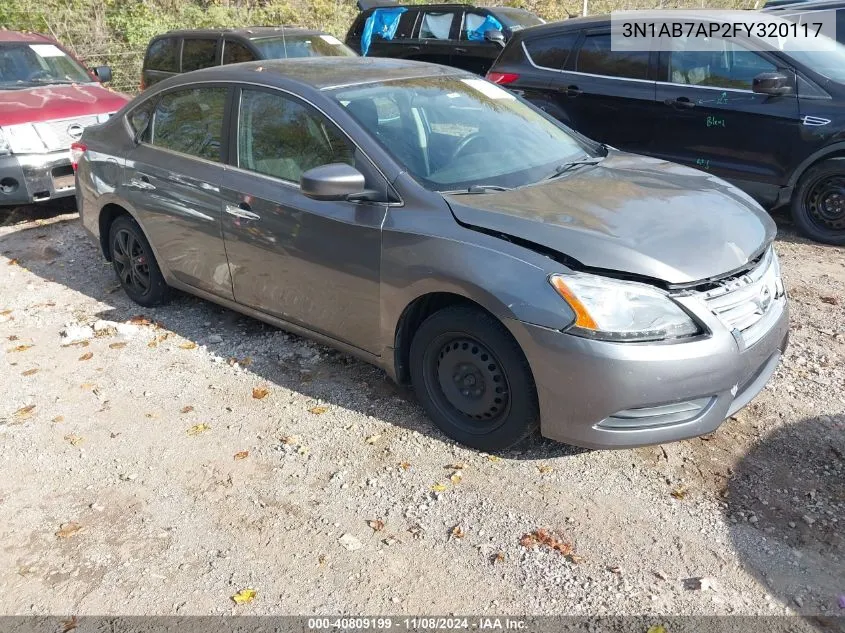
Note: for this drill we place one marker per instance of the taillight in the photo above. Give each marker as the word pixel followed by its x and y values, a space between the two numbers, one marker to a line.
pixel 502 78
pixel 77 151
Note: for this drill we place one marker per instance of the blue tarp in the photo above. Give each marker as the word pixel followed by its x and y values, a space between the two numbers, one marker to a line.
pixel 490 24
pixel 382 22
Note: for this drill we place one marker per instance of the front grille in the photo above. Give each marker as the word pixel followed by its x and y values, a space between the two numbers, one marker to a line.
pixel 55 133
pixel 749 303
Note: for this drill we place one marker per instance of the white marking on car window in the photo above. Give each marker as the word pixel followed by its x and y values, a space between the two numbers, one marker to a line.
pixel 488 90
pixel 47 50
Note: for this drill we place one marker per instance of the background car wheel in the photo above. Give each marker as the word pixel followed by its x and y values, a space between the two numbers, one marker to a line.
pixel 473 379
pixel 135 264
pixel 818 203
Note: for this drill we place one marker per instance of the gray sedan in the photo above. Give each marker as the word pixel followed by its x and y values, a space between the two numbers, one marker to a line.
pixel 421 218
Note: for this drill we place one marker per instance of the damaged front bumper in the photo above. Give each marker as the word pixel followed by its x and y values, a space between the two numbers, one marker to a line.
pixel 28 178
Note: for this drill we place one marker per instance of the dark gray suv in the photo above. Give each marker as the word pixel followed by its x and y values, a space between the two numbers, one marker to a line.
pixel 431 223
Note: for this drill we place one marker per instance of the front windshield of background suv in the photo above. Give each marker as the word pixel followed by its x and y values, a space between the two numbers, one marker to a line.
pixel 452 133
pixel 314 45
pixel 24 65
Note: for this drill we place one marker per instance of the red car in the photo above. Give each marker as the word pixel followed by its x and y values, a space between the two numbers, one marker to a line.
pixel 47 98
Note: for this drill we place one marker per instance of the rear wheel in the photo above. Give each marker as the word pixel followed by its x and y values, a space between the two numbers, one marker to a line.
pixel 473 379
pixel 818 203
pixel 135 264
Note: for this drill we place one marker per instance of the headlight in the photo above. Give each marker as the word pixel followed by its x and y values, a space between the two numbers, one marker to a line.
pixel 22 139
pixel 614 310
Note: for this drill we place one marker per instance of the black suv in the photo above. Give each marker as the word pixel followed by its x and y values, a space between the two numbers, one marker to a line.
pixel 183 51
pixel 458 35
pixel 770 122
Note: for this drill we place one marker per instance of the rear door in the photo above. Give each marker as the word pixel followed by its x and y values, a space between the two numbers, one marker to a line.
pixel 714 121
pixel 161 60
pixel 172 181
pixel 608 95
pixel 473 52
pixel 405 43
pixel 438 33
pixel 200 52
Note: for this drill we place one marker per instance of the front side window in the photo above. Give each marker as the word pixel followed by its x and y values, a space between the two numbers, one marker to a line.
pixel 235 53
pixel 475 25
pixel 191 122
pixel 198 54
pixel 27 65
pixel 596 58
pixel 714 62
pixel 552 52
pixel 281 137
pixel 316 45
pixel 453 132
pixel 436 25
pixel 162 55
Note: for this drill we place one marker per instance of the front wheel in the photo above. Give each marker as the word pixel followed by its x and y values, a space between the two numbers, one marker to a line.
pixel 135 265
pixel 473 380
pixel 818 203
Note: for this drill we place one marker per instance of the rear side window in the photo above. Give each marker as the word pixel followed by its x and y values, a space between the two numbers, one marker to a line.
pixel 407 21
pixel 552 52
pixel 198 54
pixel 191 122
pixel 436 25
pixel 235 53
pixel 162 55
pixel 595 57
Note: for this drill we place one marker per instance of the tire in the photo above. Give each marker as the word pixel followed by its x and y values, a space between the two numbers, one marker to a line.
pixel 135 265
pixel 473 380
pixel 818 203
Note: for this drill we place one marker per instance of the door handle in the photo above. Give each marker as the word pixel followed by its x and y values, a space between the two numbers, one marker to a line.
pixel 242 211
pixel 681 103
pixel 571 91
pixel 460 50
pixel 413 48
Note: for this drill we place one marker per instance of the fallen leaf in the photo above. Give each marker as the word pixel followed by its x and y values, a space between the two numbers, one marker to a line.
pixel 30 372
pixel 241 455
pixel 260 392
pixel 321 559
pixel 13 337
pixel 457 466
pixel 74 440
pixel 87 356
pixel 498 557
pixel 458 532
pixel 188 345
pixel 138 319
pixel 196 429
pixel 66 530
pixel 245 596
pixel 318 410
pixel 679 493
pixel 69 625
pixel 456 477
pixel 19 348
pixel 57 419
pixel 243 362
pixel 5 313
pixel 542 537
pixel 830 301
pixel 76 344
pixel 404 465
pixel 376 524
pixel 13 262
pixel 118 345
pixel 187 409
pixel 544 469
pixel 438 487
pixel 494 458
pixel 289 439
pixel 614 569
pixel 373 438
pixel 24 412
pixel 87 385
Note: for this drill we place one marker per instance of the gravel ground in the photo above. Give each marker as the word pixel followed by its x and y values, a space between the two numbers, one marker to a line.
pixel 161 461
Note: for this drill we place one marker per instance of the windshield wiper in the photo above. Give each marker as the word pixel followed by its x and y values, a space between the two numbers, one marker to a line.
pixel 565 167
pixel 479 189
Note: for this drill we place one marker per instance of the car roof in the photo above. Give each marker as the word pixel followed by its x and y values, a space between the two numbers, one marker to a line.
pixel 17 36
pixel 247 32
pixel 801 7
pixel 321 73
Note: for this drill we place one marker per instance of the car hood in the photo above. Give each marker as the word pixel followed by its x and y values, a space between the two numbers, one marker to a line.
pixel 631 214
pixel 49 103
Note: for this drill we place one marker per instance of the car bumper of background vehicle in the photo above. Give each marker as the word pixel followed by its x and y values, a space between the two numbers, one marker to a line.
pixel 27 178
pixel 613 395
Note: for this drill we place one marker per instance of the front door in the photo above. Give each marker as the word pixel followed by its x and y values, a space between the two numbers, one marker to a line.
pixel 715 122
pixel 172 181
pixel 472 52
pixel 312 263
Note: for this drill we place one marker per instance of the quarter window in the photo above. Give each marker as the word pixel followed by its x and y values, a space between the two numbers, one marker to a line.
pixel 235 53
pixel 715 62
pixel 436 25
pixel 552 52
pixel 191 122
pixel 162 55
pixel 198 54
pixel 281 137
pixel 139 119
pixel 595 57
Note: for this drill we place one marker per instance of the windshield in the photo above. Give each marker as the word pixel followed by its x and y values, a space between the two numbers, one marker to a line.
pixel 451 133
pixel 516 19
pixel 26 65
pixel 316 45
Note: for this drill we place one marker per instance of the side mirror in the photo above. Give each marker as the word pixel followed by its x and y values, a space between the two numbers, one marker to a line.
pixel 335 181
pixel 775 84
pixel 103 74
pixel 493 35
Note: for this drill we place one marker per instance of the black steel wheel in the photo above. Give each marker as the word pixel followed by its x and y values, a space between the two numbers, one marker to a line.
pixel 473 379
pixel 134 263
pixel 818 204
